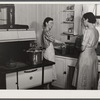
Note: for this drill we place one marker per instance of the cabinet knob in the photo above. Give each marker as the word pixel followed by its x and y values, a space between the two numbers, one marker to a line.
pixel 31 77
pixel 64 72
pixel 16 82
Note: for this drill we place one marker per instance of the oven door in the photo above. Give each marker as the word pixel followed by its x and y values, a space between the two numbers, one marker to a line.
pixel 30 78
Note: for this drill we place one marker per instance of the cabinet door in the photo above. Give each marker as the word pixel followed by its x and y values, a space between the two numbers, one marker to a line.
pixel 11 81
pixel 70 67
pixel 60 64
pixel 30 78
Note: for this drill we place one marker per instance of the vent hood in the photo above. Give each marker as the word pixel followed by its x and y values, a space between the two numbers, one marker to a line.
pixel 10 36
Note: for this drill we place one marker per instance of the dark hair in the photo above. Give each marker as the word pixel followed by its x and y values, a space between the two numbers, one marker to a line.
pixel 90 16
pixel 47 19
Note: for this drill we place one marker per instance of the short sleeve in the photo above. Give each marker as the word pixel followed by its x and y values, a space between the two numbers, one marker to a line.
pixel 49 37
pixel 86 38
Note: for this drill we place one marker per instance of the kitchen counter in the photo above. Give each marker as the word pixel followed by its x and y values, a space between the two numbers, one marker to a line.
pixel 74 56
pixel 22 66
pixel 68 55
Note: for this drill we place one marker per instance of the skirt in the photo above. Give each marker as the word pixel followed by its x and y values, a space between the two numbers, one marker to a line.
pixel 86 70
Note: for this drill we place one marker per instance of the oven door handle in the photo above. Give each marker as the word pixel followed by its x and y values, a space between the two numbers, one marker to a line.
pixel 29 71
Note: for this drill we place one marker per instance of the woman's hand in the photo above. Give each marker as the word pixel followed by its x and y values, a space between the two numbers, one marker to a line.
pixel 63 43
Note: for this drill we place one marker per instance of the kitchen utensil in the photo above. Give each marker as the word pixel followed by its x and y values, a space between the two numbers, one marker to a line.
pixel 35 56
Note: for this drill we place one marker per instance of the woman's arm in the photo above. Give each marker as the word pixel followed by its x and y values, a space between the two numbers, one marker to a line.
pixel 57 41
pixel 83 47
pixel 86 39
pixel 50 38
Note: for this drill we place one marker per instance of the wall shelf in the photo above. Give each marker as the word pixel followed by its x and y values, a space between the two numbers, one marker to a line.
pixel 68 10
pixel 68 22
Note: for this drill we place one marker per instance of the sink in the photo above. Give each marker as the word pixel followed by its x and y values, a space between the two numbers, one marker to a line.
pixel 68 51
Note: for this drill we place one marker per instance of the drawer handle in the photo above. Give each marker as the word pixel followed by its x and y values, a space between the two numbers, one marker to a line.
pixel 30 71
pixel 31 78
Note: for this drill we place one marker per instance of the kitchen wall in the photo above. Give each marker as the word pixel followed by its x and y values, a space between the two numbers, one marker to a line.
pixel 34 14
pixel 51 10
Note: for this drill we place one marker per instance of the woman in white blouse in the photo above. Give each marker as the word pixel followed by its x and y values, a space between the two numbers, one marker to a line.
pixel 87 74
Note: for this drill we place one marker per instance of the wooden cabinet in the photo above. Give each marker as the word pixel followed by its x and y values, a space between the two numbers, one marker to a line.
pixel 71 22
pixel 72 19
pixel 11 81
pixel 68 19
pixel 62 68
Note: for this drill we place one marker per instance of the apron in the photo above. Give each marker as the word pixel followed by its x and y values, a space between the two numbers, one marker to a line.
pixel 49 54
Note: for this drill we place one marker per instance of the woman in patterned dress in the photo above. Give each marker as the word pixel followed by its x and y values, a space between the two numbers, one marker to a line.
pixel 47 43
pixel 87 66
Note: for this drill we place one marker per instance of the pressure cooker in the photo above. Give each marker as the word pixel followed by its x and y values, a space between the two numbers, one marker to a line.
pixel 35 56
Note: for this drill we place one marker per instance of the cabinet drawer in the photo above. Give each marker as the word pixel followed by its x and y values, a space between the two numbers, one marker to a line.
pixel 11 81
pixel 30 78
pixel 48 74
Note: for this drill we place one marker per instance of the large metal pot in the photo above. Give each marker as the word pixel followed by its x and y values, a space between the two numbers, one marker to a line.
pixel 35 56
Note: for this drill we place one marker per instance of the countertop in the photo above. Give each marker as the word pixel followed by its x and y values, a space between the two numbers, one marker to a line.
pixel 22 66
pixel 68 55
